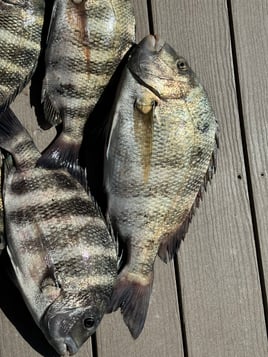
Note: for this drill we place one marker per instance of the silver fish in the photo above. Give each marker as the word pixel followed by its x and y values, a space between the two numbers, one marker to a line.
pixel 161 153
pixel 87 40
pixel 63 256
pixel 21 25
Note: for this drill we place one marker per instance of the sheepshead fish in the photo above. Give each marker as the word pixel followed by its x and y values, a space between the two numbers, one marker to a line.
pixel 63 256
pixel 160 154
pixel 87 40
pixel 21 25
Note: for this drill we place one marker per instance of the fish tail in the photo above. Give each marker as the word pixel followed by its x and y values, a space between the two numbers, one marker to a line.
pixel 132 295
pixel 15 139
pixel 64 153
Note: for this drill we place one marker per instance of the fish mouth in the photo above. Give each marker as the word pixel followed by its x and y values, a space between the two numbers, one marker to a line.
pixel 61 348
pixel 65 347
pixel 143 55
pixel 71 346
pixel 65 329
pixel 153 43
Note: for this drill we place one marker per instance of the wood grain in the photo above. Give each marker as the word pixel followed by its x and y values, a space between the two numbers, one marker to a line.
pixel 220 288
pixel 251 31
pixel 217 262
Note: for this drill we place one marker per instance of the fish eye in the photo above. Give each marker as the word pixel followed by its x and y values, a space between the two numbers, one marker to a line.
pixel 89 322
pixel 182 64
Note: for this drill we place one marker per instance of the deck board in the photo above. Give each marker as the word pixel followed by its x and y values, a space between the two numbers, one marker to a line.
pixel 251 31
pixel 220 287
pixel 219 277
pixel 161 335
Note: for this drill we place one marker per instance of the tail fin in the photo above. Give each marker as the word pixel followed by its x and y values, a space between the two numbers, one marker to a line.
pixel 64 153
pixel 132 295
pixel 15 139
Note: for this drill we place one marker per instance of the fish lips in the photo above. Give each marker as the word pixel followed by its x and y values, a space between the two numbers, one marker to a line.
pixel 144 53
pixel 146 57
pixel 66 330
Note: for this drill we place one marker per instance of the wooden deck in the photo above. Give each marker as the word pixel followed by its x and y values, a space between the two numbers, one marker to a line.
pixel 212 301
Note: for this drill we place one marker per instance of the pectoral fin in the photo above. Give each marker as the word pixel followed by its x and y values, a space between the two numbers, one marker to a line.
pixel 143 128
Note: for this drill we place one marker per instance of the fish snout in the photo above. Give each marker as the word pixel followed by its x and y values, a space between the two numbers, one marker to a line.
pixel 65 348
pixel 153 43
pixel 67 330
pixel 71 346
pixel 57 329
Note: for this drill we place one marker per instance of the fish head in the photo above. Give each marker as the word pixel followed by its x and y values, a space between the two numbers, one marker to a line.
pixel 67 328
pixel 156 65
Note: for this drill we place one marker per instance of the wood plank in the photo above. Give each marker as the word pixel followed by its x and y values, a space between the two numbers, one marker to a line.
pixel 162 334
pixel 217 262
pixel 251 31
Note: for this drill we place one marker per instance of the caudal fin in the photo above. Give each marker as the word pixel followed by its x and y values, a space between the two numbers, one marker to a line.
pixel 64 153
pixel 132 295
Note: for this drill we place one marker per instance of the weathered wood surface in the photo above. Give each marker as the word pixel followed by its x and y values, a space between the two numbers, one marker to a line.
pixel 220 292
pixel 251 32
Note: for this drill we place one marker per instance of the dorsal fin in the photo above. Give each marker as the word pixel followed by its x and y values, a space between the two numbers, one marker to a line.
pixel 171 242
pixel 15 139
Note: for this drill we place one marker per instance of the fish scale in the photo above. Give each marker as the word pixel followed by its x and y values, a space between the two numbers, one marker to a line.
pixel 160 154
pixel 86 42
pixel 63 256
pixel 20 36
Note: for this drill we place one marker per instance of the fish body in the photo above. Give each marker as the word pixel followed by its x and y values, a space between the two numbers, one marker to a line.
pixel 21 25
pixel 87 40
pixel 161 152
pixel 63 256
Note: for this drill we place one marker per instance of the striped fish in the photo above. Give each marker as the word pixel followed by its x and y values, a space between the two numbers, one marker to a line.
pixel 87 40
pixel 160 155
pixel 63 256
pixel 21 25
